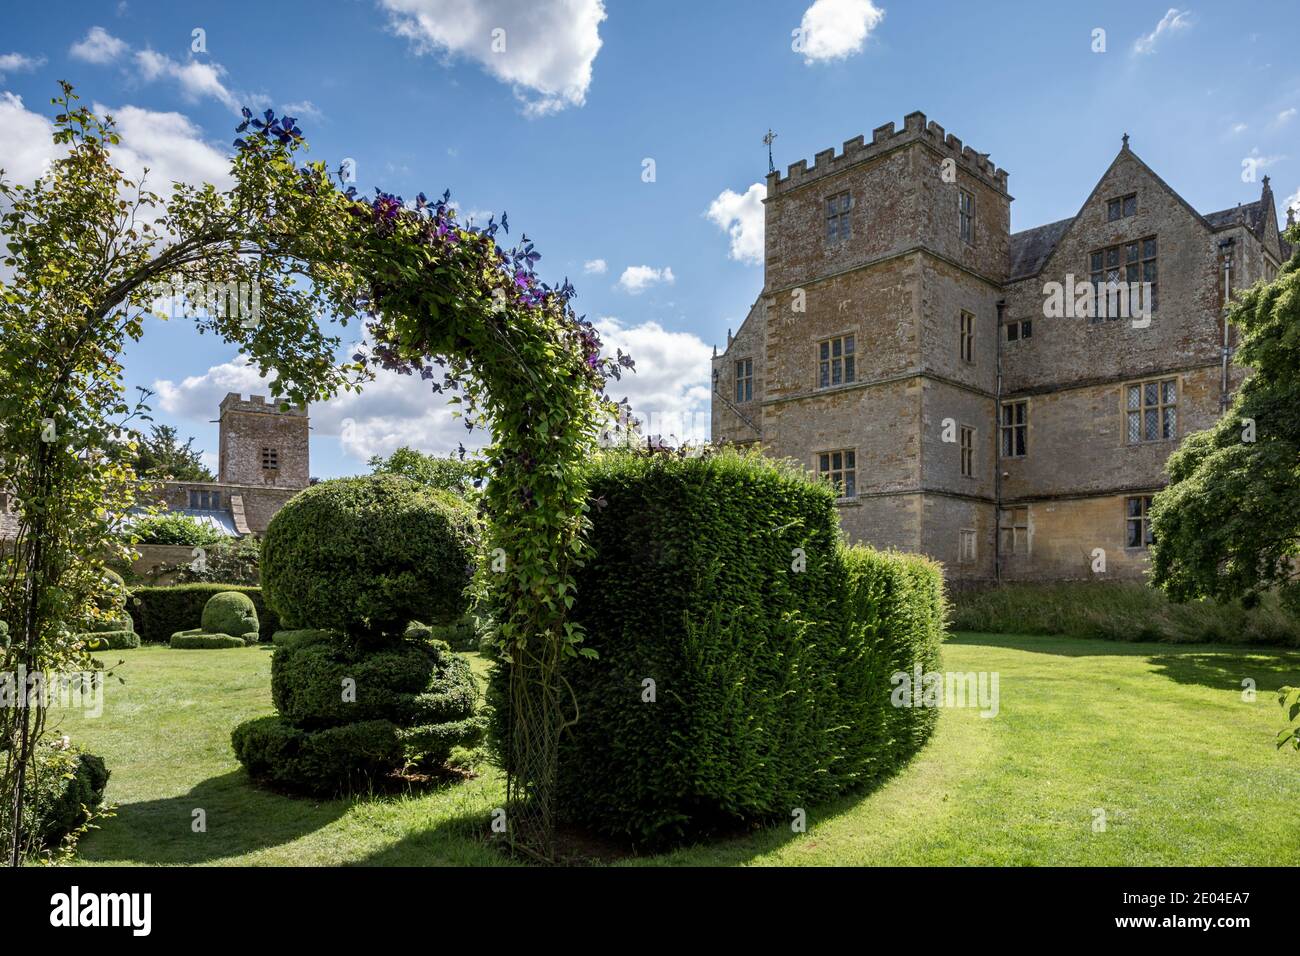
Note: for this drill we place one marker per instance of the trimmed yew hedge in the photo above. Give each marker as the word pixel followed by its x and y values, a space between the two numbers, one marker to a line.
pixel 771 645
pixel 161 612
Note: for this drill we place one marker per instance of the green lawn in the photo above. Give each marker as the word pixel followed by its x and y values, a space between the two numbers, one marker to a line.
pixel 1157 736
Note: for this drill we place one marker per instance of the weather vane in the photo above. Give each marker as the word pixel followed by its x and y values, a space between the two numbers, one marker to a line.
pixel 771 167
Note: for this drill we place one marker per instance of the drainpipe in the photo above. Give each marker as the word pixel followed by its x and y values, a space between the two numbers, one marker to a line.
pixel 997 453
pixel 1225 250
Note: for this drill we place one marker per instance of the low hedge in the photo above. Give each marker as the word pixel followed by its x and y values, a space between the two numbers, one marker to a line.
pixel 770 646
pixel 111 640
pixel 199 640
pixel 161 612
pixel 1121 611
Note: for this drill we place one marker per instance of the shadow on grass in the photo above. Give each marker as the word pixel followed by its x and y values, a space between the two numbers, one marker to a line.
pixel 239 817
pixel 1226 670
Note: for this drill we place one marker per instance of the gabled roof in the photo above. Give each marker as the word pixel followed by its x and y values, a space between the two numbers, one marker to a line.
pixel 1030 248
pixel 1252 215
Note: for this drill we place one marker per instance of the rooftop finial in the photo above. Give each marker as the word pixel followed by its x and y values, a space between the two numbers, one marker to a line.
pixel 1290 216
pixel 768 139
pixel 1266 181
pixel 1126 140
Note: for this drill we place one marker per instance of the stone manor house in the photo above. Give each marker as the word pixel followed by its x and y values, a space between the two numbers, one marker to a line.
pixel 900 348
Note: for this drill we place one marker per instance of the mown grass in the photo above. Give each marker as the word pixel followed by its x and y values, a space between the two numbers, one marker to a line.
pixel 1159 738
pixel 1123 611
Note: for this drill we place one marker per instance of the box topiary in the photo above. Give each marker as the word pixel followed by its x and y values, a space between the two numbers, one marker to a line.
pixel 229 620
pixel 361 692
pixel 744 655
pixel 161 611
pixel 367 555
pixel 112 628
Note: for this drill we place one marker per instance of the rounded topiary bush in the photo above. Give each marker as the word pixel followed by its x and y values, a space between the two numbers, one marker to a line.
pixel 364 556
pixel 229 619
pixel 230 612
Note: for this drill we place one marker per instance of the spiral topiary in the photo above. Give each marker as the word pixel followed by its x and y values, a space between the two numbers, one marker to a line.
pixel 364 556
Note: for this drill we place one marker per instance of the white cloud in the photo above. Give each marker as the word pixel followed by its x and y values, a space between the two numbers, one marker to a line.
pixel 1261 161
pixel 19 63
pixel 1173 21
pixel 595 267
pixel 1237 128
pixel 391 411
pixel 669 391
pixel 305 109
pixel 99 46
pixel 196 78
pixel 169 145
pixel 835 29
pixel 742 218
pixel 636 279
pixel 545 52
pixel 1284 117
pixel 25 143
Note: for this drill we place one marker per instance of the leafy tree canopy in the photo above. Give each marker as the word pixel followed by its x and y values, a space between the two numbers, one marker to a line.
pixel 445 473
pixel 1228 525
pixel 160 454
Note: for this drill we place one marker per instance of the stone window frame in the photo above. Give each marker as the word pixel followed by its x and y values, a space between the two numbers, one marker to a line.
pixel 1007 430
pixel 966 442
pixel 1021 533
pixel 1137 515
pixel 1124 207
pixel 1020 330
pixel 967 555
pixel 1161 407
pixel 744 377
pixel 966 216
pixel 846 486
pixel 270 458
pixel 846 361
pixel 838 211
pixel 204 499
pixel 966 333
pixel 1144 265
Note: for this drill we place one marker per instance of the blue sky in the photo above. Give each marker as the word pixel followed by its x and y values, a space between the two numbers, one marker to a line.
pixel 556 129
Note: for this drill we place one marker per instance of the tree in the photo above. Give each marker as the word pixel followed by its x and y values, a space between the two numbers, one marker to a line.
pixel 161 455
pixel 1228 525
pixel 448 473
pixel 90 250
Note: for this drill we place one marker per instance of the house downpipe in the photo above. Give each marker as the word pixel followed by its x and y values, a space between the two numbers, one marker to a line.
pixel 1225 249
pixel 997 452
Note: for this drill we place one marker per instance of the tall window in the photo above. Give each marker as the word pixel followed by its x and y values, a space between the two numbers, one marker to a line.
pixel 1122 207
pixel 1013 531
pixel 745 380
pixel 270 459
pixel 967 452
pixel 1015 429
pixel 1128 263
pixel 838 224
pixel 966 215
pixel 1151 410
pixel 835 362
pixel 1138 522
pixel 966 546
pixel 968 338
pixel 840 468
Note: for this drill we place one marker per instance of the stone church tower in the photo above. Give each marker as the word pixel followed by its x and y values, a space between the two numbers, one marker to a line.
pixel 260 444
pixel 902 348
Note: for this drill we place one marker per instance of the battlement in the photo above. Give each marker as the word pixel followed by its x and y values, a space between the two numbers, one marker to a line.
pixel 234 402
pixel 885 139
